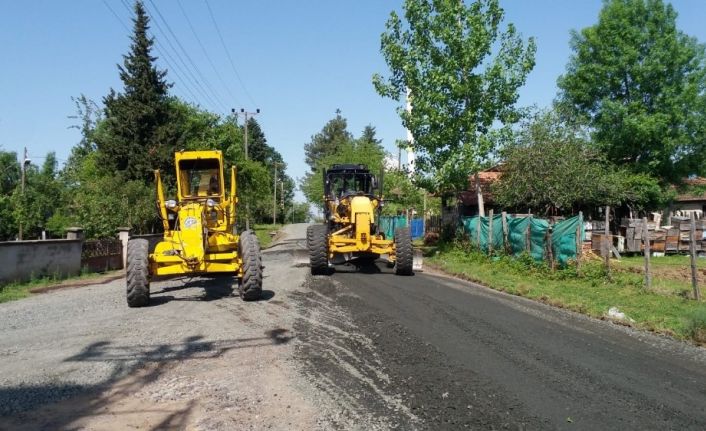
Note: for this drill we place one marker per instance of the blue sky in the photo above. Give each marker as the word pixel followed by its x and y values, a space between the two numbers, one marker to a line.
pixel 298 62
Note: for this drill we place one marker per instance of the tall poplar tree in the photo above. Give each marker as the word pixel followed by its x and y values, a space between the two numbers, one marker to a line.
pixel 462 71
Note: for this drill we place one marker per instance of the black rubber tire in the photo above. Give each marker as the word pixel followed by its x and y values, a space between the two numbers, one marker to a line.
pixel 137 279
pixel 404 254
pixel 250 287
pixel 317 243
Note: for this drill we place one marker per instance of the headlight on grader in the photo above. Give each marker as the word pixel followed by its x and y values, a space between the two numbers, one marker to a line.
pixel 211 203
pixel 171 204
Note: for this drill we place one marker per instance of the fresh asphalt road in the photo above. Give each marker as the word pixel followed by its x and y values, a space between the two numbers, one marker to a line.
pixel 456 355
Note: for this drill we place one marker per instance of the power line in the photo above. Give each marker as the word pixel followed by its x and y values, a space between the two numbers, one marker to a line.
pixel 116 15
pixel 189 70
pixel 189 73
pixel 160 49
pixel 230 59
pixel 205 53
pixel 188 57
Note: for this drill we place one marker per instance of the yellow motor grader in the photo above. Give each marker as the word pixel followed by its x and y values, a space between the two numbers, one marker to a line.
pixel 351 228
pixel 199 232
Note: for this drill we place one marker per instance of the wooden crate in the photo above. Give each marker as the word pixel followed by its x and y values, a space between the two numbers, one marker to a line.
pixel 637 223
pixel 659 245
pixel 672 243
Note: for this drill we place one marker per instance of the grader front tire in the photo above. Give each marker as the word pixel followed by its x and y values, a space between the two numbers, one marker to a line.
pixel 403 252
pixel 250 288
pixel 138 277
pixel 317 243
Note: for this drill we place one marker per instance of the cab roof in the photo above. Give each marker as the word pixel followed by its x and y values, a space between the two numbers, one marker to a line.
pixel 348 169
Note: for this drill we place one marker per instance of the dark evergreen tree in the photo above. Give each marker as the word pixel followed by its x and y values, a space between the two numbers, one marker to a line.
pixel 137 136
pixel 258 149
pixel 328 141
pixel 369 135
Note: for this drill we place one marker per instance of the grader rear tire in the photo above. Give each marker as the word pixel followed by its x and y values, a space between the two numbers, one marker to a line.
pixel 250 287
pixel 403 251
pixel 138 277
pixel 317 243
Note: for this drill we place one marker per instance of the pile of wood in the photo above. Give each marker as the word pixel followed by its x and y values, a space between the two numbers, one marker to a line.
pixel 632 229
pixel 665 239
pixel 678 235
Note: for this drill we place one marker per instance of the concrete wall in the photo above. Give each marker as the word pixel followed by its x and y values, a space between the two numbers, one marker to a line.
pixel 24 260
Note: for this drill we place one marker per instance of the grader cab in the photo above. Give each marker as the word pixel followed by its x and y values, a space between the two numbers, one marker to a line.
pixel 199 232
pixel 351 230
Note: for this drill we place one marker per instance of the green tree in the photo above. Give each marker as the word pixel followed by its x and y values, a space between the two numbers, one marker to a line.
pixel 552 167
pixel 40 199
pixel 328 141
pixel 93 201
pixel 258 149
pixel 138 136
pixel 10 172
pixel 354 151
pixel 401 194
pixel 299 213
pixel 255 189
pixel 462 73
pixel 369 135
pixel 640 84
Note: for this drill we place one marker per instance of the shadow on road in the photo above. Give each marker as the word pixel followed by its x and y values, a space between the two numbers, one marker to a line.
pixel 59 405
pixel 213 288
pixel 364 266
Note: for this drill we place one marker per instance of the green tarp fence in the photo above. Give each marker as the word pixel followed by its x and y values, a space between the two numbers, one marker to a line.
pixel 388 224
pixel 525 234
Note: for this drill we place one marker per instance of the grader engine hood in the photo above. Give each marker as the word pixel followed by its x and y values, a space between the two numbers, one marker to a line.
pixel 362 216
pixel 362 205
pixel 192 232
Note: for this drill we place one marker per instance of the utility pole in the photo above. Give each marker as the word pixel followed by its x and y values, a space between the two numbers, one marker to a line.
pixel 25 162
pixel 245 132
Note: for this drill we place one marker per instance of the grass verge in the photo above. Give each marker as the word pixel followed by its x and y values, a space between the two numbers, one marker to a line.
pixel 589 292
pixel 262 231
pixel 14 291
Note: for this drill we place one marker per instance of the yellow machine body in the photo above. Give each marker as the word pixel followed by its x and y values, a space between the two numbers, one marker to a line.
pixel 198 225
pixel 356 216
pixel 352 209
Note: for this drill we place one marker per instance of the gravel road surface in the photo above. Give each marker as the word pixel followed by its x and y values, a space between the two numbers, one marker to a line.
pixel 361 349
pixel 196 358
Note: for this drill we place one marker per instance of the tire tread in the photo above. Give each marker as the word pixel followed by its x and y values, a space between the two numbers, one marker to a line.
pixel 317 243
pixel 137 278
pixel 404 254
pixel 250 288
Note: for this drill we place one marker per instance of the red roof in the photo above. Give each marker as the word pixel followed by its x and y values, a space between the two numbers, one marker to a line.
pixel 486 178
